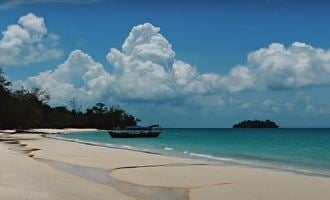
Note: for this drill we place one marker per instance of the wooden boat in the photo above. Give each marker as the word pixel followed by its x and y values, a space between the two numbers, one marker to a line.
pixel 136 132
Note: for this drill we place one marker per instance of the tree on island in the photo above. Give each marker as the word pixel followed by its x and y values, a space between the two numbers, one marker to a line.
pixel 25 108
pixel 256 124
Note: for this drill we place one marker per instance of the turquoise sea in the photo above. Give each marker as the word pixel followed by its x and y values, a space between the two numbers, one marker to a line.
pixel 300 150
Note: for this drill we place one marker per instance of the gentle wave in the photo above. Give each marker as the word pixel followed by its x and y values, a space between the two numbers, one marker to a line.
pixel 224 159
pixel 123 147
pixel 263 165
pixel 211 157
pixel 127 146
pixel 201 156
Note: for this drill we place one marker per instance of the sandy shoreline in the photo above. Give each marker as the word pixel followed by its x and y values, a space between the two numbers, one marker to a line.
pixel 44 168
pixel 51 130
pixel 65 130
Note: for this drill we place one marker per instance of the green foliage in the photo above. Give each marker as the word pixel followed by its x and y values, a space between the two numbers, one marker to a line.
pixel 4 84
pixel 256 124
pixel 23 109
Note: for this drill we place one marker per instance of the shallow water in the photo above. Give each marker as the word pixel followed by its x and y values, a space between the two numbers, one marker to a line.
pixel 103 176
pixel 301 150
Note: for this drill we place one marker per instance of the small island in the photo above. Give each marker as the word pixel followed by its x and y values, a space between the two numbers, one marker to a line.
pixel 256 124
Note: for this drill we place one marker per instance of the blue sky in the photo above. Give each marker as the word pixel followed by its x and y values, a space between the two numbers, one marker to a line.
pixel 192 72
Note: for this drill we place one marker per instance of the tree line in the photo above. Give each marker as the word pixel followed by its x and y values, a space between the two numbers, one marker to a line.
pixel 28 108
pixel 256 124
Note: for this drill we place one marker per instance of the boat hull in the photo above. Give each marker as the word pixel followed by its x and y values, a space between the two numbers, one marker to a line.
pixel 133 135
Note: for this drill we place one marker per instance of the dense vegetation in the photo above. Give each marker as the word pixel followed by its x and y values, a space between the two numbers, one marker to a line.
pixel 256 124
pixel 24 109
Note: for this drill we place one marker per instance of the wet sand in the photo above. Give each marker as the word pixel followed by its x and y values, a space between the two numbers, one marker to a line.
pixel 35 167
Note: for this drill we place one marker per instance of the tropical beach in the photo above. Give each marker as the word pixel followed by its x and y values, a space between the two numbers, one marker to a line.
pixel 164 100
pixel 37 167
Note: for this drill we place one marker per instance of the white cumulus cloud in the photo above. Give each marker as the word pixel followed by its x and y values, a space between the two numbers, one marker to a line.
pixel 299 65
pixel 146 68
pixel 27 42
pixel 79 76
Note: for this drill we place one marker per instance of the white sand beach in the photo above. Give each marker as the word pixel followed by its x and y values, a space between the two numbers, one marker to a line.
pixel 65 130
pixel 34 167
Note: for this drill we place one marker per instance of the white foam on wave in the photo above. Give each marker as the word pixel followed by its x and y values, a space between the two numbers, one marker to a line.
pixel 124 147
pixel 212 157
pixel 264 165
pixel 127 146
pixel 82 141
pixel 205 156
pixel 228 160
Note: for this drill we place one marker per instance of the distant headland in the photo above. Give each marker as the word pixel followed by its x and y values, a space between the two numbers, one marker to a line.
pixel 256 124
